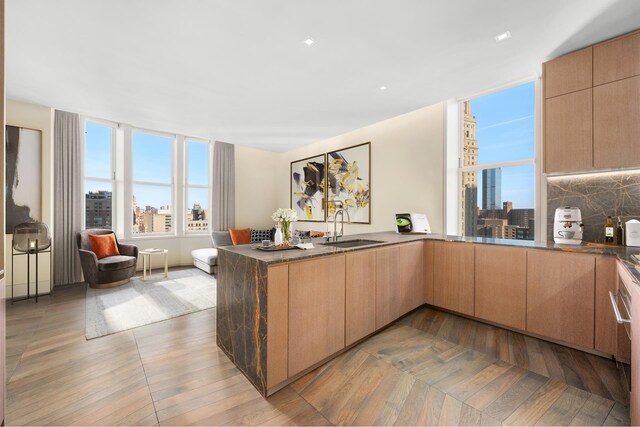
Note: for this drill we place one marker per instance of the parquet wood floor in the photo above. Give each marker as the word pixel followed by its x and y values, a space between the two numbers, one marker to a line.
pixel 429 368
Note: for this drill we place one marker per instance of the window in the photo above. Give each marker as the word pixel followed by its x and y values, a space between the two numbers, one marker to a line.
pixel 497 164
pixel 99 175
pixel 152 182
pixel 197 186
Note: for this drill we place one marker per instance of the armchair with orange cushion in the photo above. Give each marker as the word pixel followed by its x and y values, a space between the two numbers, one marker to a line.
pixel 105 262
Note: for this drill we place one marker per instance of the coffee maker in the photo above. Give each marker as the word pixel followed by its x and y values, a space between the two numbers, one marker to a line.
pixel 567 226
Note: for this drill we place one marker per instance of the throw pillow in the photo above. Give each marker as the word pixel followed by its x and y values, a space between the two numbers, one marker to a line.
pixel 104 245
pixel 240 236
pixel 221 238
pixel 303 234
pixel 315 233
pixel 257 236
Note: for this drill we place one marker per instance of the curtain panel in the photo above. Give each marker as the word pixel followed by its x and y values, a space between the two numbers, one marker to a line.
pixel 67 215
pixel 223 210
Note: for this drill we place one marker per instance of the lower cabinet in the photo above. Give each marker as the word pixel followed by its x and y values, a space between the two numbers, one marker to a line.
pixel 606 327
pixel 630 287
pixel 316 311
pixel 560 296
pixel 399 273
pixel 501 285
pixel 454 277
pixel 360 278
pixel 429 252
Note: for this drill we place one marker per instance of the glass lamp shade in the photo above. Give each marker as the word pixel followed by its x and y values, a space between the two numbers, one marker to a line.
pixel 26 234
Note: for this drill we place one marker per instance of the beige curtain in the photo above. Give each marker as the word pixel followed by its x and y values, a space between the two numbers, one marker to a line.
pixel 224 187
pixel 67 213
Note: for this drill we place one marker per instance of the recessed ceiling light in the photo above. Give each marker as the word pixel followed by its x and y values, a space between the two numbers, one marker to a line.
pixel 502 36
pixel 309 41
pixel 383 88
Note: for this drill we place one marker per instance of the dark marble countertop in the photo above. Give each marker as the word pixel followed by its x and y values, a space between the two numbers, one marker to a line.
pixel 625 254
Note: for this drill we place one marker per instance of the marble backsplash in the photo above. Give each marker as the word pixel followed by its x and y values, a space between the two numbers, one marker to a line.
pixel 615 194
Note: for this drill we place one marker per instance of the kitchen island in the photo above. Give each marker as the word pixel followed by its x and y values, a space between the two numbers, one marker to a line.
pixel 281 314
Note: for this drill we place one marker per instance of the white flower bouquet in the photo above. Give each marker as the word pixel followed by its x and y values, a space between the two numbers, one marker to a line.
pixel 285 217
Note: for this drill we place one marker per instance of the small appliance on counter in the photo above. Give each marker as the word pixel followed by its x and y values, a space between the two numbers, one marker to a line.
pixel 412 223
pixel 632 233
pixel 567 226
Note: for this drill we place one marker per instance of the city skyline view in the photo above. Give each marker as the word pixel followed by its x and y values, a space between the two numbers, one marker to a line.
pixel 505 132
pixel 498 129
pixel 151 162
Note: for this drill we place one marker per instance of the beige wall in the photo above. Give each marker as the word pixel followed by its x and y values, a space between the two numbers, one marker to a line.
pixel 41 118
pixel 256 187
pixel 406 176
pixel 407 158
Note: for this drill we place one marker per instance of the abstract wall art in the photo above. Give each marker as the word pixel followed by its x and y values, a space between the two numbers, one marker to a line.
pixel 308 188
pixel 23 176
pixel 349 181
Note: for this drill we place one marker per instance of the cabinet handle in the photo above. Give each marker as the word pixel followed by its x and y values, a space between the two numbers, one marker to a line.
pixel 616 310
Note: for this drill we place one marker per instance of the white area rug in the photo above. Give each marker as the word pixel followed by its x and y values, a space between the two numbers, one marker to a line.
pixel 141 302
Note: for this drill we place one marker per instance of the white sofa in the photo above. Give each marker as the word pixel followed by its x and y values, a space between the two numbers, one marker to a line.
pixel 206 259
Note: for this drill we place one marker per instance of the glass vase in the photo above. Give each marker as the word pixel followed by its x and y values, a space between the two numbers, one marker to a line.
pixel 286 230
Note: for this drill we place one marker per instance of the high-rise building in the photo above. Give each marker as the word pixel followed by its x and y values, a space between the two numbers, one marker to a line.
pixel 469 184
pixel 521 217
pixel 492 188
pixel 98 206
pixel 197 218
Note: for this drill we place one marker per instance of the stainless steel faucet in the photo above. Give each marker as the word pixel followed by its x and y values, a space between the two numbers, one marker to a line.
pixel 340 211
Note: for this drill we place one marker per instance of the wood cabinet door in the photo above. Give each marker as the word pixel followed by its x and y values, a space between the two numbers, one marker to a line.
pixel 454 277
pixel 634 293
pixel 568 73
pixel 560 296
pixel 316 311
pixel 606 326
pixel 410 278
pixel 568 133
pixel 388 298
pixel 616 124
pixel 429 251
pixel 360 295
pixel 616 59
pixel 623 344
pixel 501 285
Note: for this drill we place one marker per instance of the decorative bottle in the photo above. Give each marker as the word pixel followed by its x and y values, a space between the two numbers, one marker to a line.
pixel 619 233
pixel 277 237
pixel 609 234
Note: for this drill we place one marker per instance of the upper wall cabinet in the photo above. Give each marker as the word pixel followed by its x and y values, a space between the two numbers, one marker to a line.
pixel 591 108
pixel 616 59
pixel 569 73
pixel 568 132
pixel 616 124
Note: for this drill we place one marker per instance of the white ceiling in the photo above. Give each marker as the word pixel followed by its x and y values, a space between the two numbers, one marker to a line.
pixel 238 70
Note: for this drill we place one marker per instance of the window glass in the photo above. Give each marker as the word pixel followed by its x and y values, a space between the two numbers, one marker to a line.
pixel 152 156
pixel 98 204
pixel 504 123
pixel 498 130
pixel 152 183
pixel 198 163
pixel 152 212
pixel 99 176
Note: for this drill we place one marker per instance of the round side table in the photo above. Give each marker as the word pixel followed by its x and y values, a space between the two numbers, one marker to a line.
pixel 146 261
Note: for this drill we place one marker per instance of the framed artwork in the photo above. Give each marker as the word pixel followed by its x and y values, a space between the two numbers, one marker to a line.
pixel 349 181
pixel 308 188
pixel 23 165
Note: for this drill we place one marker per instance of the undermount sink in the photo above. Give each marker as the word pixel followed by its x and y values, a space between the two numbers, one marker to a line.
pixel 352 243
